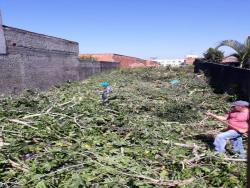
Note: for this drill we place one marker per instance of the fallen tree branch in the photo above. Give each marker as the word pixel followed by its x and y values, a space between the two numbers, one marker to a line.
pixel 196 90
pixel 18 166
pixel 194 151
pixel 236 160
pixel 22 123
pixel 60 170
pixel 76 122
pixel 194 159
pixel 203 120
pixel 181 145
pixel 60 105
pixel 170 183
pixel 32 115
pixel 3 143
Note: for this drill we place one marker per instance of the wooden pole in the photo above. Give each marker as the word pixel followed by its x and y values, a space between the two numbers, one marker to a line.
pixel 248 155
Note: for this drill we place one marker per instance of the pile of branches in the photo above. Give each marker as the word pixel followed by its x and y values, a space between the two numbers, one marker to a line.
pixel 151 133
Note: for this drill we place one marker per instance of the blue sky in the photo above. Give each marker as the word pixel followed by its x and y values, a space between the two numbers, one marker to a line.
pixel 141 28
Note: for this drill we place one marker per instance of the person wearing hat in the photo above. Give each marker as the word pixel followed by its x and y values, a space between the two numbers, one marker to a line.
pixel 237 124
pixel 106 90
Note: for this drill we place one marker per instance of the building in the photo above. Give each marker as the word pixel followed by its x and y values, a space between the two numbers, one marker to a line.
pixel 125 61
pixel 234 61
pixel 190 59
pixel 230 59
pixel 171 62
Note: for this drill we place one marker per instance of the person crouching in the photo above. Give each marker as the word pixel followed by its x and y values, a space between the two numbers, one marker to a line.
pixel 106 90
pixel 237 121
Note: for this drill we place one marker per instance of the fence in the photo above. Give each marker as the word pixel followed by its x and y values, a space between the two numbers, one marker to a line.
pixel 224 78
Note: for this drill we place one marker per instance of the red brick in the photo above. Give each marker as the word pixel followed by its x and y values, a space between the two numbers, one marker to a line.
pixel 125 61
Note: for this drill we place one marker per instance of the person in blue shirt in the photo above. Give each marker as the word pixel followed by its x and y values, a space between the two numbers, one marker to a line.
pixel 106 90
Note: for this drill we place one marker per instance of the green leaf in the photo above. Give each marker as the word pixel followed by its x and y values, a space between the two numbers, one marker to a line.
pixel 41 184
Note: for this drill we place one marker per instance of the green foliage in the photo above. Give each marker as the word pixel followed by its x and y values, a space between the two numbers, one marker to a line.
pixel 242 50
pixel 74 141
pixel 178 112
pixel 213 55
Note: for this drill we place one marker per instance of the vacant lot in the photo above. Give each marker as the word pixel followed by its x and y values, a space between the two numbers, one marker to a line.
pixel 151 134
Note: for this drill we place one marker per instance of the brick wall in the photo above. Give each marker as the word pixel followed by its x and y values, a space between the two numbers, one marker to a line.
pixel 128 62
pixel 150 63
pixel 108 65
pixel 125 61
pixel 190 60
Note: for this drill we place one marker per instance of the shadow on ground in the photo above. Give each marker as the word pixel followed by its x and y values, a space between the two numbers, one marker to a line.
pixel 207 139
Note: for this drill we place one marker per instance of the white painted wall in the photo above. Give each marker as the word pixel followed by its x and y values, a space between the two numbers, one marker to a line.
pixel 2 38
pixel 170 62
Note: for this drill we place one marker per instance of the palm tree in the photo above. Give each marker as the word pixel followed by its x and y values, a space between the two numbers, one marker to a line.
pixel 242 50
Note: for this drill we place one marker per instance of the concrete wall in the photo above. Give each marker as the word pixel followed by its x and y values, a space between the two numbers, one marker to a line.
pixel 107 65
pixel 38 61
pixel 224 78
pixel 87 68
pixel 19 40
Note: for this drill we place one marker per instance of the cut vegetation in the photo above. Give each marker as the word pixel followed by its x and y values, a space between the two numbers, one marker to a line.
pixel 151 134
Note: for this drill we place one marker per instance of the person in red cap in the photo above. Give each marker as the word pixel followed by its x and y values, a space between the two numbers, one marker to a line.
pixel 237 121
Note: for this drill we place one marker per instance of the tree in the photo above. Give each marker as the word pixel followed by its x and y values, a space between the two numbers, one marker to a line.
pixel 242 50
pixel 213 55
